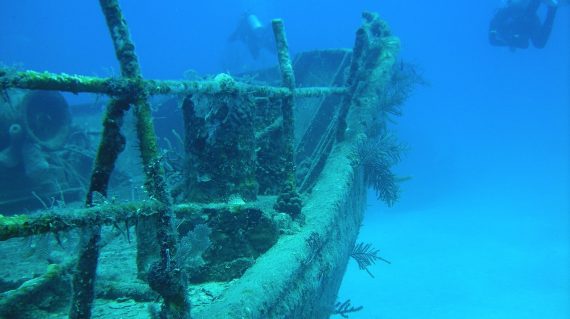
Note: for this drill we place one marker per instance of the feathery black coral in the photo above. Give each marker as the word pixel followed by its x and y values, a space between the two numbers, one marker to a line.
pixel 377 156
pixel 366 256
pixel 344 308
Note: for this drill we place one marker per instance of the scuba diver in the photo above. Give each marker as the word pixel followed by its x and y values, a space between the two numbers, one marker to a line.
pixel 256 36
pixel 518 22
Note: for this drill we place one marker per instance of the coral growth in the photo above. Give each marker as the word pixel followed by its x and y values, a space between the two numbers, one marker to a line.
pixel 376 157
pixel 404 79
pixel 289 201
pixel 344 308
pixel 192 246
pixel 366 256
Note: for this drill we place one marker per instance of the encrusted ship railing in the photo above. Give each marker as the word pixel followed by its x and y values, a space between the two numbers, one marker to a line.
pixel 33 80
pixel 132 90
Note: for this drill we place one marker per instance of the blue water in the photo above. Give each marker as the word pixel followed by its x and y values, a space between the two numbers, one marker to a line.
pixel 482 230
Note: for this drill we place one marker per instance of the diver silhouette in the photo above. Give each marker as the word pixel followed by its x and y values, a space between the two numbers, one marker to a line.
pixel 256 36
pixel 518 23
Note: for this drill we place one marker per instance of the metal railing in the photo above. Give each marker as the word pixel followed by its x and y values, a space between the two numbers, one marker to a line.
pixel 132 90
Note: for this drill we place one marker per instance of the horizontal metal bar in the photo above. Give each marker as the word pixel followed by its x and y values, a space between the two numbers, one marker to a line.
pixel 222 83
pixel 65 219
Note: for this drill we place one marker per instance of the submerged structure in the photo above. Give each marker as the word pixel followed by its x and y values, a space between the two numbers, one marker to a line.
pixel 253 214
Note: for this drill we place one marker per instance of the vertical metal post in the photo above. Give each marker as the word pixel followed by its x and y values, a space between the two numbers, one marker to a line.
pixel 364 73
pixel 360 47
pixel 170 283
pixel 289 200
pixel 111 145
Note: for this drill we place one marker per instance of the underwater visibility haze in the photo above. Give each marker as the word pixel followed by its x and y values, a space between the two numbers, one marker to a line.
pixel 467 207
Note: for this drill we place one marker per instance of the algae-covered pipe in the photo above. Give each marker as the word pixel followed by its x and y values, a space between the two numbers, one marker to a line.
pixel 288 79
pixel 13 302
pixel 72 218
pixel 285 64
pixel 73 83
pixel 369 50
pixel 360 45
pixel 126 214
pixel 111 145
pixel 170 284
pixel 289 200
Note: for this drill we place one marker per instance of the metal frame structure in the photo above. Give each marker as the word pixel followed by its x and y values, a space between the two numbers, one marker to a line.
pixel 133 91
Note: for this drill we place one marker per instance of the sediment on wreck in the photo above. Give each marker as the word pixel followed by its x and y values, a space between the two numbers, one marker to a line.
pixel 327 222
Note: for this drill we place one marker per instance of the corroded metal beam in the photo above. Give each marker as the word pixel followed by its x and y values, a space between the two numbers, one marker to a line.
pixel 65 220
pixel 289 200
pixel 117 87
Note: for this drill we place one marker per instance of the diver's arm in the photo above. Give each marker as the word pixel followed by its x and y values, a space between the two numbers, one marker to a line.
pixel 541 33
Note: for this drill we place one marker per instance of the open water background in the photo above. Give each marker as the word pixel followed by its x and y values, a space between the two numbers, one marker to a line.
pixel 482 230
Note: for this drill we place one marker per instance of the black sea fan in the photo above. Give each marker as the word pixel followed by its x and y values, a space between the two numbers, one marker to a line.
pixel 377 156
pixel 344 308
pixel 366 256
pixel 405 78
